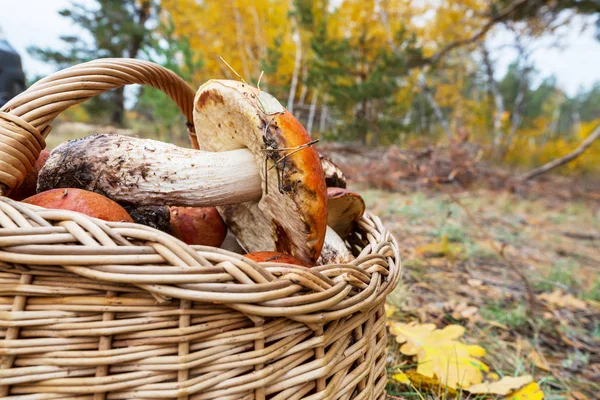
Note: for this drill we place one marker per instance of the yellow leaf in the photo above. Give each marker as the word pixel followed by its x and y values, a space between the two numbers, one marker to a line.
pixel 504 386
pixel 537 360
pixel 529 392
pixel 442 249
pixel 440 355
pixel 401 377
pixel 390 310
pixel 421 382
pixel 563 300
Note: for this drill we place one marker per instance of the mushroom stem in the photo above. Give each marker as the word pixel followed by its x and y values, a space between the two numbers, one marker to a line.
pixel 148 172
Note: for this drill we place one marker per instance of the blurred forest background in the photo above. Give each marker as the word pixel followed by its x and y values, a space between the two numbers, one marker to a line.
pixel 372 72
pixel 410 98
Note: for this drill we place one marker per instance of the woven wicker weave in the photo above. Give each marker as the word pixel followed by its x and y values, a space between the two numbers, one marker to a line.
pixel 103 310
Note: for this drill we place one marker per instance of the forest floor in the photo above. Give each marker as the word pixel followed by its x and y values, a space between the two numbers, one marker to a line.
pixel 516 263
pixel 454 274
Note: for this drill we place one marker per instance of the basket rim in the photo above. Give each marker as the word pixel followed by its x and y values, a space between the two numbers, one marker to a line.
pixel 124 253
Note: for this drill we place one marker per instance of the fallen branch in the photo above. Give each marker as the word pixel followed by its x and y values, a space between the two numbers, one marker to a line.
pixel 564 160
pixel 582 236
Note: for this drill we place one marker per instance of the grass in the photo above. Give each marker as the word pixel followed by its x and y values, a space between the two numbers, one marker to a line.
pixel 530 234
pixel 513 315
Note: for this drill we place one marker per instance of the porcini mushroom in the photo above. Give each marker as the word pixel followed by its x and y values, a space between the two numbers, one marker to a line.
pixel 344 208
pixel 260 169
pixel 275 257
pixel 83 201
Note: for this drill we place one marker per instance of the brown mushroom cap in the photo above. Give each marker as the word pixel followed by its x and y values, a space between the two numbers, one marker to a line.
pixel 344 208
pixel 198 225
pixel 89 203
pixel 291 216
pixel 29 185
pixel 334 177
pixel 275 257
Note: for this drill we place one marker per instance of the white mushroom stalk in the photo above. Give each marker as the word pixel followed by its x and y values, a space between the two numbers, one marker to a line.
pixel 148 172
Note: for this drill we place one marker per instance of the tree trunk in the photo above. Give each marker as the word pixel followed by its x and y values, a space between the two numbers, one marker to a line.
pixel 436 109
pixel 523 85
pixel 323 116
pixel 118 114
pixel 311 112
pixel 498 101
pixel 298 59
pixel 563 160
pixel 239 32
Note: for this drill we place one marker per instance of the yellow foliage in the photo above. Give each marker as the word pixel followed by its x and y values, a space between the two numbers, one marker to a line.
pixel 443 248
pixel 532 148
pixel 504 386
pixel 529 392
pixel 440 355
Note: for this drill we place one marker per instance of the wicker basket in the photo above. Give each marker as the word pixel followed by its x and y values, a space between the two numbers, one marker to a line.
pixel 93 310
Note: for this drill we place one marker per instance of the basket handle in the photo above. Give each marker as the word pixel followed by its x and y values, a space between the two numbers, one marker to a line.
pixel 25 120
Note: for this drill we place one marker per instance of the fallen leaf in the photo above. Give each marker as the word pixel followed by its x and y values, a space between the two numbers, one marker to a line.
pixel 401 377
pixel 563 300
pixel 492 376
pixel 529 392
pixel 443 248
pixel 539 361
pixel 504 386
pixel 578 396
pixel 390 310
pixel 474 282
pixel 422 383
pixel 440 355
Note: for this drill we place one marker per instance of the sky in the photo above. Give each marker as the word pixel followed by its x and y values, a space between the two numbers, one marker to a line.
pixel 575 64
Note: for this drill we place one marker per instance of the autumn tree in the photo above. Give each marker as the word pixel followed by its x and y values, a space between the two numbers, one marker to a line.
pixel 111 29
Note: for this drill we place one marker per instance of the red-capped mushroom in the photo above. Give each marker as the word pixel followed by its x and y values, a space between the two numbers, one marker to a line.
pixel 198 225
pixel 89 203
pixel 28 187
pixel 275 257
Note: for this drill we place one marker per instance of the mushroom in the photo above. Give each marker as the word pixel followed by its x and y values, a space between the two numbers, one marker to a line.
pixel 83 201
pixel 275 257
pixel 192 225
pixel 197 225
pixel 334 250
pixel 334 177
pixel 28 186
pixel 260 170
pixel 344 209
pixel 231 244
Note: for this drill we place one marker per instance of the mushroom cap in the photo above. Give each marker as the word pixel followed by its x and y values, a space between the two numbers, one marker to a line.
pixel 334 177
pixel 291 216
pixel 275 257
pixel 29 185
pixel 344 208
pixel 198 225
pixel 92 204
